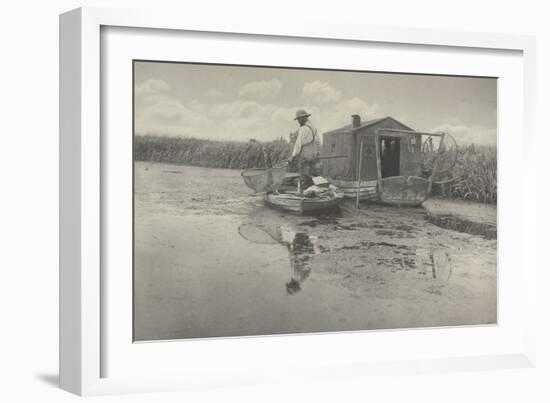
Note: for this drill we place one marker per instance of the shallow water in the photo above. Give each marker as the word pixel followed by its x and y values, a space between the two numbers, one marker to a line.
pixel 212 260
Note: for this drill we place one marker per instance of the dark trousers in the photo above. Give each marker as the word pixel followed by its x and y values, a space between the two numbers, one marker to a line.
pixel 308 168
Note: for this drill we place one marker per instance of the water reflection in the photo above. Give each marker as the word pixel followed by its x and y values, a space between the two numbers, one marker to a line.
pixel 301 246
pixel 388 261
pixel 430 264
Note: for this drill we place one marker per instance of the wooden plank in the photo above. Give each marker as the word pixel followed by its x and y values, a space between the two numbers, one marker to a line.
pixel 343 184
pixel 403 133
pixel 378 161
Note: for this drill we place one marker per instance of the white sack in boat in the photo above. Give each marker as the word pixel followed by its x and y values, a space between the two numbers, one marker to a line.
pixel 320 181
pixel 315 190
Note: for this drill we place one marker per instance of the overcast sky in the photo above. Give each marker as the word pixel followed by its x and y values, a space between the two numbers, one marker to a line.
pixel 239 103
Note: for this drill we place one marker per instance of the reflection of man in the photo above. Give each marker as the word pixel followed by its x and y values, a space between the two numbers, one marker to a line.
pixel 306 150
pixel 300 250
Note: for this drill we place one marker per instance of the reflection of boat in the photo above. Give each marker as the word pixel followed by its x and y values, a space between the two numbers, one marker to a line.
pixel 295 202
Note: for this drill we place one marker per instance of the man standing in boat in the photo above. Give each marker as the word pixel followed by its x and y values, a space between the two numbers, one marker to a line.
pixel 306 150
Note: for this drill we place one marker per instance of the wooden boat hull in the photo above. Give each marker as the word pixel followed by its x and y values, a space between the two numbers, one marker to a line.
pixel 396 190
pixel 404 190
pixel 295 203
pixel 368 190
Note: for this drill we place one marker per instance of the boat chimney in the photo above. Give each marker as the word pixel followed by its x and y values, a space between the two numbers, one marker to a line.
pixel 355 121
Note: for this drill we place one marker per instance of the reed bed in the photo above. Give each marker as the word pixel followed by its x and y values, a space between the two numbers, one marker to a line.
pixel 209 153
pixel 475 175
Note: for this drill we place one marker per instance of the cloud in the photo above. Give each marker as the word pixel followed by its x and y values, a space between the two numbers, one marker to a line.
pixel 238 109
pixel 261 89
pixel 160 112
pixel 331 116
pixel 168 116
pixel 214 93
pixel 357 106
pixel 320 92
pixel 465 135
pixel 240 120
pixel 151 87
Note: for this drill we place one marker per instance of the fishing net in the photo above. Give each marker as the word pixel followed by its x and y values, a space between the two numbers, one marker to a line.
pixel 264 180
pixel 445 150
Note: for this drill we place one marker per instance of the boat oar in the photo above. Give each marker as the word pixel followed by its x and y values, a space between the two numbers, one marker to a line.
pixel 325 157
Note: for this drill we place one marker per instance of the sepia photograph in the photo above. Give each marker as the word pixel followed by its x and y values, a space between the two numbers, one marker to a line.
pixel 283 200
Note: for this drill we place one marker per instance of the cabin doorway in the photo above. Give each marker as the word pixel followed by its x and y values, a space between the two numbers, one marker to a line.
pixel 390 153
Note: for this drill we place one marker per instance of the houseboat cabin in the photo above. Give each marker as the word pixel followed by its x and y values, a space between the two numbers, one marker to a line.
pixel 369 154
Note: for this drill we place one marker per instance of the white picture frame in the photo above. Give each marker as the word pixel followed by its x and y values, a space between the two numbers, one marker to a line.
pixel 84 177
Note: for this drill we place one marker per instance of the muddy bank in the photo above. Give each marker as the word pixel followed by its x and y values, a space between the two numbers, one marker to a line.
pixel 468 217
pixel 212 260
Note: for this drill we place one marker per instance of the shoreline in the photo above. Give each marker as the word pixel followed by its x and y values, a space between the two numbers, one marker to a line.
pixel 463 216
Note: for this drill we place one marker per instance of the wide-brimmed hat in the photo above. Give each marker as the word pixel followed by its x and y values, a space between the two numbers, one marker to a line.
pixel 301 113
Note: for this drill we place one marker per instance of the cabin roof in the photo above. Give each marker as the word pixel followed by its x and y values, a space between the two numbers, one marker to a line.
pixel 347 128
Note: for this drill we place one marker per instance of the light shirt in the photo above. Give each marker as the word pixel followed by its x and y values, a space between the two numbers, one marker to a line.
pixel 307 142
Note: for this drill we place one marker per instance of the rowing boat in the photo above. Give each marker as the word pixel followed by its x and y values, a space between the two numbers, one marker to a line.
pixel 280 191
pixel 298 203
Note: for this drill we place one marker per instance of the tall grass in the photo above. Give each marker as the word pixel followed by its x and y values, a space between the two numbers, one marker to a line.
pixel 208 153
pixel 475 175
